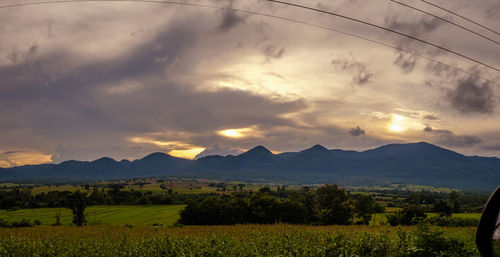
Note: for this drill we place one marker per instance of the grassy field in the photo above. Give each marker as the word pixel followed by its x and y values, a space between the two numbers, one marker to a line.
pixel 380 218
pixel 118 215
pixel 240 240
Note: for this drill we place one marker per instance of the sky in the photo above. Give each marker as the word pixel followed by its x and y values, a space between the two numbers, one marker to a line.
pixel 123 79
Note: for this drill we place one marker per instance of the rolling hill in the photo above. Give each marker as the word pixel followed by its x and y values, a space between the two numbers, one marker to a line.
pixel 414 163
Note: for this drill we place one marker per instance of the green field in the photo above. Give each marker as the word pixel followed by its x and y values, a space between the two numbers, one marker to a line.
pixel 115 215
pixel 380 218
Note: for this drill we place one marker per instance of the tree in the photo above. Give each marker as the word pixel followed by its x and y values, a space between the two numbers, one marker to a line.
pixel 334 205
pixel 454 199
pixel 443 208
pixel 364 206
pixel 77 202
pixel 58 218
pixel 264 208
pixel 293 212
pixel 408 216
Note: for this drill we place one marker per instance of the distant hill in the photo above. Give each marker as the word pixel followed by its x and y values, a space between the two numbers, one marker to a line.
pixel 415 163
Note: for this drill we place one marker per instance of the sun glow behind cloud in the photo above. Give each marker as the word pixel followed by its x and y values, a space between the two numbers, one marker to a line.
pixel 398 123
pixel 235 133
pixel 19 158
pixel 180 149
pixel 187 153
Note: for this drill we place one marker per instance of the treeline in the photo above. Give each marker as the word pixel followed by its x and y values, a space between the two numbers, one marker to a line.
pixel 463 201
pixel 326 205
pixel 24 198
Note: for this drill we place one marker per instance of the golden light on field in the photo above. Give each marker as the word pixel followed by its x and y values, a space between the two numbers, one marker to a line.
pixel 187 153
pixel 234 133
pixel 398 123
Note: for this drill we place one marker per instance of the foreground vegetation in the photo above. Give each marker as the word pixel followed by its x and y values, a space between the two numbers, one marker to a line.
pixel 239 240
pixel 129 221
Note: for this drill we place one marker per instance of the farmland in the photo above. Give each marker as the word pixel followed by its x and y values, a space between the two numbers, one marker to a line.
pixel 115 215
pixel 132 218
pixel 146 215
pixel 239 240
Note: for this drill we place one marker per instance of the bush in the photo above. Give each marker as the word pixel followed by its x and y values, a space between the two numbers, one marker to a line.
pixel 4 223
pixel 432 242
pixel 411 215
pixel 22 223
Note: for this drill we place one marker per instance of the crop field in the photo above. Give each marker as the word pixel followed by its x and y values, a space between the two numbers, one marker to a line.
pixel 239 240
pixel 380 218
pixel 110 214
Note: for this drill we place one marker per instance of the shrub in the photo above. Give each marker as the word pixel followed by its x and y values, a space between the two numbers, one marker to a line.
pixel 433 242
pixel 22 223
pixel 410 215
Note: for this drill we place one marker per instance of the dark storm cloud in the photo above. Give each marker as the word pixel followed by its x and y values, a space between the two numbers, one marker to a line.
pixel 357 131
pixel 459 141
pixel 230 20
pixel 430 117
pixel 54 99
pixel 442 70
pixel 273 51
pixel 23 56
pixel 406 62
pixel 438 131
pixel 11 152
pixel 493 147
pixel 448 138
pixel 362 74
pixel 421 27
pixel 470 96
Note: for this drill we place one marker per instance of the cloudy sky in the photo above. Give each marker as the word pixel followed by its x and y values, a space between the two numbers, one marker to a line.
pixel 124 79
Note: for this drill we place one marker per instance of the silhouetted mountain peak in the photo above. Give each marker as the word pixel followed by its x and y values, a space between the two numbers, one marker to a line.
pixel 420 150
pixel 104 160
pixel 318 147
pixel 157 156
pixel 258 150
pixel 415 163
pixel 316 150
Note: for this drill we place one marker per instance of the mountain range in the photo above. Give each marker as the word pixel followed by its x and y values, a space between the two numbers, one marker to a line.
pixel 415 163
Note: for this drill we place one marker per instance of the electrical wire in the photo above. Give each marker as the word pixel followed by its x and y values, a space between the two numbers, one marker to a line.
pixel 445 20
pixel 269 16
pixel 461 16
pixel 389 30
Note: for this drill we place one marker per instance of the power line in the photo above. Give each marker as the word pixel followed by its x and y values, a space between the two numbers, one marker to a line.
pixel 445 20
pixel 389 30
pixel 461 16
pixel 264 15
